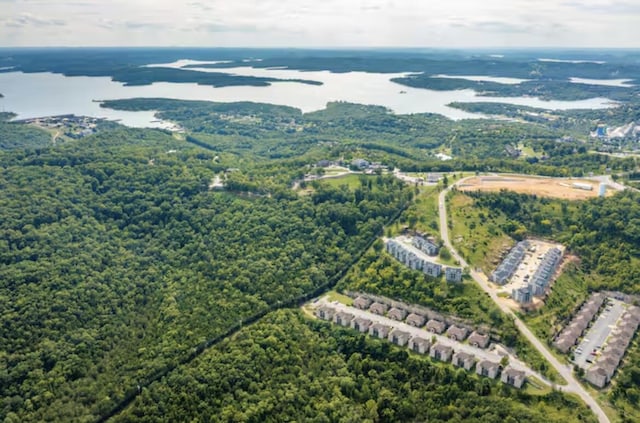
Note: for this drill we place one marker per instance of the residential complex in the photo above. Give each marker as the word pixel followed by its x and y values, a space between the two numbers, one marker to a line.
pixel 510 263
pixel 444 345
pixel 416 257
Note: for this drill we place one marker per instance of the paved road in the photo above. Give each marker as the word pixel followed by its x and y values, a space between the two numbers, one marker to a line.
pixel 493 354
pixel 565 370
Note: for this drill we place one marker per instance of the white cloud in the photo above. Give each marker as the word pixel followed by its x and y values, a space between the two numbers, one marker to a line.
pixel 451 23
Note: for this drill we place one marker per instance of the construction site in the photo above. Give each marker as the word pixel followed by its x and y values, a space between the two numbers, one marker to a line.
pixel 564 188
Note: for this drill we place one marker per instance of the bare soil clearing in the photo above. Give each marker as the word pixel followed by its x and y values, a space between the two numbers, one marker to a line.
pixel 544 187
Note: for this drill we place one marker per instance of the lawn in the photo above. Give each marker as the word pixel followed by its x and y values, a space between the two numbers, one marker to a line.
pixel 476 232
pixel 422 215
pixel 351 180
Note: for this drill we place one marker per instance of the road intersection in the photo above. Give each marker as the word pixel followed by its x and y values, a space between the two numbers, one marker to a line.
pixel 573 386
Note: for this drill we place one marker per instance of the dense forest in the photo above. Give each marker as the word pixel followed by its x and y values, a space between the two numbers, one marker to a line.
pixel 131 289
pixel 117 261
pixel 288 368
pixel 15 135
pixel 603 232
pixel 346 130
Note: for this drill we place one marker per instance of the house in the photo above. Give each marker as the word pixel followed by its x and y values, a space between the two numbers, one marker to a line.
pixel 379 330
pixel 479 340
pixel 325 313
pixel 362 303
pixel 360 163
pixel 399 337
pixel 379 308
pixel 464 360
pixel 441 352
pixel 597 376
pixel 513 377
pixel 436 326
pixel 488 368
pixel 397 314
pixel 453 274
pixel 419 345
pixel 457 333
pixel 432 269
pixel 416 320
pixel 361 324
pixel 343 318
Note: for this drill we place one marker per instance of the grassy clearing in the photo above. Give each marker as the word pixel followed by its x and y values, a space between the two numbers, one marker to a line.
pixel 351 180
pixel 534 386
pixel 336 296
pixel 476 232
pixel 422 215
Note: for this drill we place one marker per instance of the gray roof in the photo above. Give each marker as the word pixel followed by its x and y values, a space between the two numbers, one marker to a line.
pixel 478 338
pixel 461 355
pixel 459 333
pixel 442 348
pixel 486 364
pixel 511 372
pixel 400 334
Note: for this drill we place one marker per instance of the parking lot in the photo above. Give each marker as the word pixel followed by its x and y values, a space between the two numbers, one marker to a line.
pixel 530 263
pixel 598 333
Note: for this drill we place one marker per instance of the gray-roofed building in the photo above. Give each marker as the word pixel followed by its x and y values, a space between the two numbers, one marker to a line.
pixel 360 163
pixel 399 337
pixel 513 377
pixel 378 308
pixel 416 320
pixel 343 318
pixel 488 368
pixel 379 330
pixel 325 313
pixel 479 340
pixel 362 303
pixel 597 376
pixel 441 352
pixel 507 268
pixel 419 345
pixel 397 314
pixel 425 245
pixel 432 269
pixel 436 326
pixel 464 360
pixel 564 342
pixel 361 324
pixel 457 333
pixel 630 319
pixel 522 295
pixel 545 270
pixel 453 274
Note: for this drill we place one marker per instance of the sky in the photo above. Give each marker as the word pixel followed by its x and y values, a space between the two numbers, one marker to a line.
pixel 321 23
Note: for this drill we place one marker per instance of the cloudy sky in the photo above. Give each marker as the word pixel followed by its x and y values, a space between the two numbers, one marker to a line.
pixel 321 23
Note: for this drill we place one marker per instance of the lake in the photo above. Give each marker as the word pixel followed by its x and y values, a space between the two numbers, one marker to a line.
pixel 46 94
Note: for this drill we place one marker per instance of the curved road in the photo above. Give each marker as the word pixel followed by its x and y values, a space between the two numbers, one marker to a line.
pixel 564 370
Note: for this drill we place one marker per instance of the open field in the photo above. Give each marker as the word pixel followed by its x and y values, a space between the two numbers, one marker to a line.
pixel 544 187
pixel 476 234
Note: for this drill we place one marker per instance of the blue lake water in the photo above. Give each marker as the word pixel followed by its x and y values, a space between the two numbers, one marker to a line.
pixel 46 94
